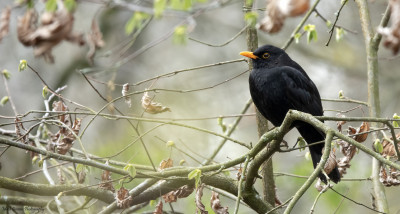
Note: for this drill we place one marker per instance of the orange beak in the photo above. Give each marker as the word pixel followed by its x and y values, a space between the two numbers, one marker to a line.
pixel 248 54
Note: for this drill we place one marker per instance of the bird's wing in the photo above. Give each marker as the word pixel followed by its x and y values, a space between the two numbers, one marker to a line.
pixel 301 92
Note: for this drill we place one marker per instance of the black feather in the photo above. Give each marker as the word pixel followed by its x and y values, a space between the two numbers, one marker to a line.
pixel 277 84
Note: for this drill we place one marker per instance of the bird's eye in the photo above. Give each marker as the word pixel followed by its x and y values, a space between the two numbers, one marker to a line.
pixel 266 55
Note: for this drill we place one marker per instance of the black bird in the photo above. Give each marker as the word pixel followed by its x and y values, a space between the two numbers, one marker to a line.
pixel 277 84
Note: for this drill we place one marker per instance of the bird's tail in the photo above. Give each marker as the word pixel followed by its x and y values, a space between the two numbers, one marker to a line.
pixel 312 135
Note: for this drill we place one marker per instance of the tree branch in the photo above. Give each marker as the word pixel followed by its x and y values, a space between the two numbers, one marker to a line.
pixel 371 45
pixel 53 190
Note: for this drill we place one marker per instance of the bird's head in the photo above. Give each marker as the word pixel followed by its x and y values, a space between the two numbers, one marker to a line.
pixel 267 56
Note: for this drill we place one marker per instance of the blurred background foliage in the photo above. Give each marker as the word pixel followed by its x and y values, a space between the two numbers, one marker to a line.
pixel 171 34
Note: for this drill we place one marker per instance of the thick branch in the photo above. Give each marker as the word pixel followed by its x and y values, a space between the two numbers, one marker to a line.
pixel 47 190
pixel 25 201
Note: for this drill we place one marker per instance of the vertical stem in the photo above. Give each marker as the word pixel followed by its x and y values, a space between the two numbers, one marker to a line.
pixel 371 45
pixel 262 123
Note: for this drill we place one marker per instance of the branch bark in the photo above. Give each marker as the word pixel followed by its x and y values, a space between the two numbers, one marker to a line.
pixel 262 123
pixel 49 190
pixel 372 44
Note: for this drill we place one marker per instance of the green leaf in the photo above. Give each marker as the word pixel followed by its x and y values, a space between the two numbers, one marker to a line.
pixel 27 210
pixel 59 195
pixel 339 34
pixel 4 100
pixel 195 174
pixel 297 37
pixel 70 5
pixel 311 32
pixel 181 4
pixel 6 73
pixel 30 3
pixel 396 123
pixel 159 7
pixel 180 35
pixel 40 163
pixel 22 65
pixel 341 94
pixel 79 167
pixel 153 203
pixel 170 143
pixel 311 35
pixel 34 159
pixel 45 91
pixel 378 146
pixel 51 5
pixel 131 169
pixel 181 162
pixel 309 27
pixel 251 18
pixel 301 143
pixel 135 22
pixel 328 23
pixel 222 124
pixel 187 4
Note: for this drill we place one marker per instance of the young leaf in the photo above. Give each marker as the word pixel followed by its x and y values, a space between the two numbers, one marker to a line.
pixel 40 163
pixel 45 91
pixel 131 169
pixel 341 94
pixel 328 24
pixel 51 5
pixel 79 168
pixel 180 35
pixel 297 37
pixel 135 22
pixel 222 124
pixel 35 159
pixel 4 100
pixel 170 143
pixel 378 146
pixel 22 65
pixel 59 195
pixel 6 73
pixel 159 7
pixel 396 123
pixel 339 34
pixel 301 143
pixel 27 210
pixel 70 5
pixel 251 18
pixel 181 4
pixel 195 174
pixel 311 33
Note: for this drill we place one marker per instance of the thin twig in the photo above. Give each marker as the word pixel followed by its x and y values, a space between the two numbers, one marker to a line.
pixel 358 203
pixel 318 196
pixel 130 123
pixel 298 28
pixel 242 177
pixel 223 44
pixel 334 23
pixel 337 26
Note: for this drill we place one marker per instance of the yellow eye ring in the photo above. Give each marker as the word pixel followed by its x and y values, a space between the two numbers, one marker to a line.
pixel 266 55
